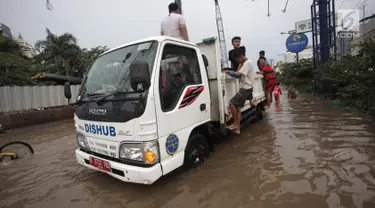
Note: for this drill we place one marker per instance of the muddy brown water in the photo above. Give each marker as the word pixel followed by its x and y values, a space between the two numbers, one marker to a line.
pixel 303 154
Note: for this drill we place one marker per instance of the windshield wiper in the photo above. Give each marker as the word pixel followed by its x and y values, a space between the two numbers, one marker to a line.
pixel 111 94
pixel 89 95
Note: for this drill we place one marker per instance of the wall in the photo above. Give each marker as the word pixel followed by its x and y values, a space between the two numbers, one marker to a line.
pixel 18 99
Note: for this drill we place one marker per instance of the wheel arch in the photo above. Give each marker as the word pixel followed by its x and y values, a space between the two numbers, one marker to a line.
pixel 204 129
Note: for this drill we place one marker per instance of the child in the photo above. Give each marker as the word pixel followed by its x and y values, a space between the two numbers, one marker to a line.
pixel 277 92
pixel 292 92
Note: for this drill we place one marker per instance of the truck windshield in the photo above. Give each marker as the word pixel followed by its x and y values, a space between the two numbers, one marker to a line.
pixel 110 72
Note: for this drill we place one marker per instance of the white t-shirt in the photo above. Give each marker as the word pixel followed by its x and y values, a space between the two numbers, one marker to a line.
pixel 247 75
pixel 170 26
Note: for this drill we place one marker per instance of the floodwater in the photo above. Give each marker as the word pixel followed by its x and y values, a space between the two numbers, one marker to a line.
pixel 303 154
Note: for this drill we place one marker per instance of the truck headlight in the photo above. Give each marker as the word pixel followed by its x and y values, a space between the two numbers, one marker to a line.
pixel 82 141
pixel 147 152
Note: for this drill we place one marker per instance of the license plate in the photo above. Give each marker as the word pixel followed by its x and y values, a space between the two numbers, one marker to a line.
pixel 101 164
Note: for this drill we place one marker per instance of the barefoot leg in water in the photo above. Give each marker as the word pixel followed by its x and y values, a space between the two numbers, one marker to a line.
pixel 238 125
pixel 237 131
pixel 232 127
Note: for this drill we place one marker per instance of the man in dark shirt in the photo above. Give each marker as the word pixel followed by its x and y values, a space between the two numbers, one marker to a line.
pixel 236 42
pixel 262 55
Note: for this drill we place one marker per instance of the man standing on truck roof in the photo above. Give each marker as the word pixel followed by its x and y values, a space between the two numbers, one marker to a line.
pixel 174 25
pixel 247 77
pixel 236 42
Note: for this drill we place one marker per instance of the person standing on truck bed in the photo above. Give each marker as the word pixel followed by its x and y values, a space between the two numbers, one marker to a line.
pixel 174 25
pixel 236 42
pixel 247 78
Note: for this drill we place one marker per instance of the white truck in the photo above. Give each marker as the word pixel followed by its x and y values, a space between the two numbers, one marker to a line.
pixel 151 106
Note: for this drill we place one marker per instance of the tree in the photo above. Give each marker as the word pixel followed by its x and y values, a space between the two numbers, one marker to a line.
pixel 61 50
pixel 87 58
pixel 8 45
pixel 14 70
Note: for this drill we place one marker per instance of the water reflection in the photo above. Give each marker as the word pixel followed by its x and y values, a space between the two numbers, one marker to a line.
pixel 303 154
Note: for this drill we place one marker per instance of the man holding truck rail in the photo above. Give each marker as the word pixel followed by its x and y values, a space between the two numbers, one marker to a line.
pixel 246 75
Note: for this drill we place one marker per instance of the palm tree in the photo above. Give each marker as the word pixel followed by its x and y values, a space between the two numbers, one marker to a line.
pixel 60 49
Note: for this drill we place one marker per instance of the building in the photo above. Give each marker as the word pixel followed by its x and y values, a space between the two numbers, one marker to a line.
pixel 366 30
pixel 27 48
pixel 292 57
pixel 5 30
pixel 343 41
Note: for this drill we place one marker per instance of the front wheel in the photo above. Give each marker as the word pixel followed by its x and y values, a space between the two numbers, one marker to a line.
pixel 196 150
pixel 259 113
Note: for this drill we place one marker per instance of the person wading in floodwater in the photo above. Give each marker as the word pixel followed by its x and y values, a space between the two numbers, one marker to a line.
pixel 270 78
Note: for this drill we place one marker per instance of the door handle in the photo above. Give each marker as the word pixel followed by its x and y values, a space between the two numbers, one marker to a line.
pixel 203 107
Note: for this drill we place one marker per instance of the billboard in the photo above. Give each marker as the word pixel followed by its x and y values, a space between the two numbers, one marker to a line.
pixel 305 26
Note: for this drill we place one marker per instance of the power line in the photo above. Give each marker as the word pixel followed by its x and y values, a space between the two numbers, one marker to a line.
pixel 49 5
pixel 284 10
pixel 359 4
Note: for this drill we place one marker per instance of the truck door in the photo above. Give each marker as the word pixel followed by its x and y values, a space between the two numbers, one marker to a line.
pixel 183 96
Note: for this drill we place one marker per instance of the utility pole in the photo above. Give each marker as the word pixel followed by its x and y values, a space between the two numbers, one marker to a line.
pixel 324 33
pixel 364 16
pixel 178 2
pixel 220 31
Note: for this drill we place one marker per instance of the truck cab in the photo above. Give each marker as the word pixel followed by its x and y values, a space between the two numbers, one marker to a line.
pixel 145 108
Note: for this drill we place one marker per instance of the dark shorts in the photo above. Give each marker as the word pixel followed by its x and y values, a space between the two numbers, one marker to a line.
pixel 240 98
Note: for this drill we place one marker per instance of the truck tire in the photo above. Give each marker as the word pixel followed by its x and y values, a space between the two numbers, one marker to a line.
pixel 259 113
pixel 196 150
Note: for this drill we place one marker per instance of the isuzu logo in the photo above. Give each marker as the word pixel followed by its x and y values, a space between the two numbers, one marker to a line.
pixel 98 112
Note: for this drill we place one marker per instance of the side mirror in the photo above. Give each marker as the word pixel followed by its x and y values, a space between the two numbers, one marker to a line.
pixel 205 60
pixel 67 90
pixel 139 75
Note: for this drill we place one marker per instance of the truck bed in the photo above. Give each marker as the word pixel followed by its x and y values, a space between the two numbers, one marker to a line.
pixel 224 87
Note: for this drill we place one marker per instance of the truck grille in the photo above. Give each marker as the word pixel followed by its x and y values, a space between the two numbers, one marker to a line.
pixel 100 147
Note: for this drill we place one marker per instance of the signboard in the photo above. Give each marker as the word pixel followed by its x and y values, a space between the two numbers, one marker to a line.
pixel 305 26
pixel 296 42
pixel 272 62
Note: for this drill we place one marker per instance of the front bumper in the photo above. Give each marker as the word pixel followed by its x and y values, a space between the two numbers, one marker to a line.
pixel 126 173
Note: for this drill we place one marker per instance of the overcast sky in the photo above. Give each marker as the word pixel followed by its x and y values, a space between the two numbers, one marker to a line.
pixel 116 22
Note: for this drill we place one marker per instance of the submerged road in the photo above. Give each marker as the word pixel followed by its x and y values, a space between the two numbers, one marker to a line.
pixel 303 154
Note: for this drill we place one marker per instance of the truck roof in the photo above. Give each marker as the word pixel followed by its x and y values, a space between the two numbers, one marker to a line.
pixel 154 38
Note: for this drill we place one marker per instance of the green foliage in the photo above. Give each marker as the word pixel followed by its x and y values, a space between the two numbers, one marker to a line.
pixel 299 74
pixel 61 50
pixel 14 70
pixel 58 54
pixel 351 80
pixel 9 46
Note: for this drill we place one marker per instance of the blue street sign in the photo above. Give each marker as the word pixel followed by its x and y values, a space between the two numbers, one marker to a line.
pixel 296 42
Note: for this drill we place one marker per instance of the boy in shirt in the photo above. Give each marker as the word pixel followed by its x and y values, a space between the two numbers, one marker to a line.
pixel 277 92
